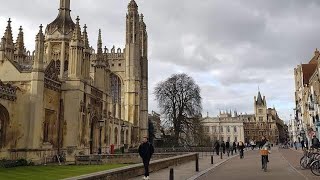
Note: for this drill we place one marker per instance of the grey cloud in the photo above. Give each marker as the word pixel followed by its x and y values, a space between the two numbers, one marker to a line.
pixel 230 47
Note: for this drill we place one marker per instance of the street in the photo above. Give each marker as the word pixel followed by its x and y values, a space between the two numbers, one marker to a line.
pixel 284 163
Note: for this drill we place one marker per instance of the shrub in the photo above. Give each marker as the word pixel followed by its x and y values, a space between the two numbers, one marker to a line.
pixel 14 163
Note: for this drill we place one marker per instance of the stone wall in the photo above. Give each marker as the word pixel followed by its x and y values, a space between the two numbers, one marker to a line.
pixel 131 158
pixel 137 169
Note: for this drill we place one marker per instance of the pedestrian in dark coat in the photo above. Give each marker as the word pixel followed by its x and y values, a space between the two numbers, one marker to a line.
pixel 223 145
pixel 234 145
pixel 217 147
pixel 146 150
pixel 228 147
pixel 315 142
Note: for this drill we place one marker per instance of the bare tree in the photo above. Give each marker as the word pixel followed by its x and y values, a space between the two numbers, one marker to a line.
pixel 180 101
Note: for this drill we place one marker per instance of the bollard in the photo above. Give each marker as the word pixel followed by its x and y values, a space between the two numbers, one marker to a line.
pixel 197 163
pixel 220 155
pixel 211 159
pixel 171 177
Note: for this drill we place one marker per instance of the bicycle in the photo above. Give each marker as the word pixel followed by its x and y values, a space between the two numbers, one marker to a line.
pixel 315 167
pixel 308 158
pixel 264 155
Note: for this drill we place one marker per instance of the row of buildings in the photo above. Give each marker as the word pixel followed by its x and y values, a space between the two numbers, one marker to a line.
pixel 305 123
pixel 234 127
pixel 67 97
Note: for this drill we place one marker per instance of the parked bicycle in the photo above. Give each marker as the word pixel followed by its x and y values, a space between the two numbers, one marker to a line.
pixel 309 157
pixel 315 167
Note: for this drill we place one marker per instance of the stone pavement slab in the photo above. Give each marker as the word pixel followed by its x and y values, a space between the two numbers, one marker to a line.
pixel 249 168
pixel 186 170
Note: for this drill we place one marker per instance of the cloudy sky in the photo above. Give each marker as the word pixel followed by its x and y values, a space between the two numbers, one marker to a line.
pixel 230 47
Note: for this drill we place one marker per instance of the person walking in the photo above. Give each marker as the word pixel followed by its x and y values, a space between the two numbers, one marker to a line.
pixel 223 145
pixel 295 145
pixel 234 146
pixel 217 147
pixel 315 142
pixel 228 147
pixel 302 144
pixel 241 147
pixel 146 150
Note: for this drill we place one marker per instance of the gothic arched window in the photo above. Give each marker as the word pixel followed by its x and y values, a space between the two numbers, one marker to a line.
pixel 4 120
pixel 115 92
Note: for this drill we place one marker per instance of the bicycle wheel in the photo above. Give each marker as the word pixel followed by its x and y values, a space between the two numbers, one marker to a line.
pixel 264 163
pixel 304 162
pixel 315 167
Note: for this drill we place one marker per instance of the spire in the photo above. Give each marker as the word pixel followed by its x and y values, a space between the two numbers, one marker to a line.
pixel 259 99
pixel 99 44
pixel 316 52
pixel 85 37
pixel 76 36
pixel 142 24
pixel 20 42
pixel 8 35
pixel 100 62
pixel 38 61
pixel 63 22
pixel 64 5
pixel 3 44
pixel 132 6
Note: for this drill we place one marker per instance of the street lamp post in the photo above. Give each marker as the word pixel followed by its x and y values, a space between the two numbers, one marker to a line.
pixel 101 123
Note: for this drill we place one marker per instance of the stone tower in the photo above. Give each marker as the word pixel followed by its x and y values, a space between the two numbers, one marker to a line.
pixel 57 37
pixel 260 108
pixel 133 70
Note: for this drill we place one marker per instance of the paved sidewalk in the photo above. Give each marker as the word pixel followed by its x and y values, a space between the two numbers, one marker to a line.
pixel 293 157
pixel 249 168
pixel 187 170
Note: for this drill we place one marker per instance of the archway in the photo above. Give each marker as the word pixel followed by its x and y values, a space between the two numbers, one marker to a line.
pixel 94 134
pixel 4 121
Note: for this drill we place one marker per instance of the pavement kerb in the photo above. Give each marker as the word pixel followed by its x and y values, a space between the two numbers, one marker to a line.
pixel 210 168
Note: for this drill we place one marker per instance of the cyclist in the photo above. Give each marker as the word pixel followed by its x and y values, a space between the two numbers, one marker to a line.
pixel 265 145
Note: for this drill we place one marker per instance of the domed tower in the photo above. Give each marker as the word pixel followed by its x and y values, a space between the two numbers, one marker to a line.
pixel 57 37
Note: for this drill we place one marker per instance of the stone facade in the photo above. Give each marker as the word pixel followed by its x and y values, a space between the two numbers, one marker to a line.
pixel 66 97
pixel 307 98
pixel 246 127
pixel 225 127
pixel 264 122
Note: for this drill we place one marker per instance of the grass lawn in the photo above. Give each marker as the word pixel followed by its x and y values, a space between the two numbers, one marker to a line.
pixel 51 172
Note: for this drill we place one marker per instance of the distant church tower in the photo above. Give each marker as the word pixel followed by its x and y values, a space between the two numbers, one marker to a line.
pixel 260 108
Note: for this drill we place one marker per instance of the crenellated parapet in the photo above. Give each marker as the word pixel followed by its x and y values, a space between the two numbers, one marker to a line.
pixel 8 92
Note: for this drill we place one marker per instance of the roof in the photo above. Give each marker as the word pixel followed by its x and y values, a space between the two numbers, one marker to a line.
pixel 259 100
pixel 307 71
pixel 314 60
pixel 63 22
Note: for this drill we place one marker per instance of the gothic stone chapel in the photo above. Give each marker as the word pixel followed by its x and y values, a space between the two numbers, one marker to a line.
pixel 68 97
